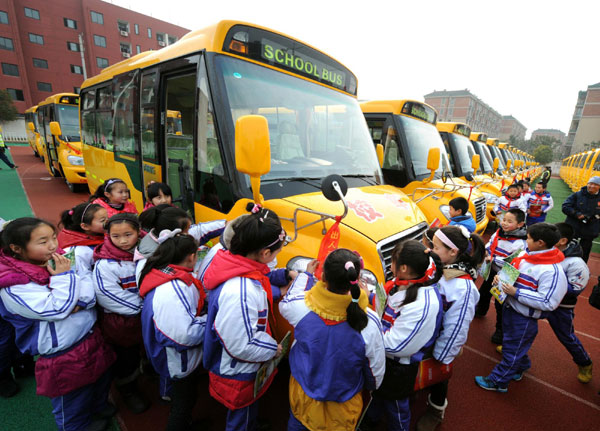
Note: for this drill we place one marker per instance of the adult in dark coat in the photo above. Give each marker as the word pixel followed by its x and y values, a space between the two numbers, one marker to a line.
pixel 582 209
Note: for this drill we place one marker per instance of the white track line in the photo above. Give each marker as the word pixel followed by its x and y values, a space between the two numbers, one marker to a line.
pixel 577 332
pixel 535 379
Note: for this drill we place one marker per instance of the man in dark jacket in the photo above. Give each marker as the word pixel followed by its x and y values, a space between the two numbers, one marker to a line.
pixel 582 209
pixel 546 175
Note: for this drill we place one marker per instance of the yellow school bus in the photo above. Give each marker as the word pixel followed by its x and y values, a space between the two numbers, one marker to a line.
pixel 58 125
pixel 31 128
pixel 575 170
pixel 406 130
pixel 588 169
pixel 563 167
pixel 252 102
pixel 489 182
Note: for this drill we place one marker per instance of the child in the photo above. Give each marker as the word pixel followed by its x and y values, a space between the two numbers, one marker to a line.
pixel 165 217
pixel 238 337
pixel 52 310
pixel 461 254
pixel 411 324
pixel 174 320
pixel 118 295
pixel 538 205
pixel 427 239
pixel 512 199
pixel 459 214
pixel 329 318
pixel 158 194
pixel 539 289
pixel 526 192
pixel 561 319
pixel 113 195
pixel 510 238
pixel 83 230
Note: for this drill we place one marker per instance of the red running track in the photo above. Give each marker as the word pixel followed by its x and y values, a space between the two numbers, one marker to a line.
pixel 548 398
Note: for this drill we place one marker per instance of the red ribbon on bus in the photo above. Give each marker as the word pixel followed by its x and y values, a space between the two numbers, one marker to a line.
pixel 329 243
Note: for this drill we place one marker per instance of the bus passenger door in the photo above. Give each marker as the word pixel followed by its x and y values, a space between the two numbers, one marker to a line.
pixel 177 120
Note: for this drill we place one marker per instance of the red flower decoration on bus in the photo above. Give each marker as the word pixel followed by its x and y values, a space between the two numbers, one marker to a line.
pixel 364 210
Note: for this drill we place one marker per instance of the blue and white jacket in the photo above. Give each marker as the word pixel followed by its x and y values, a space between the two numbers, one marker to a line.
pixel 43 314
pixel 340 376
pixel 459 298
pixel 116 287
pixel 508 243
pixel 540 288
pixel 542 203
pixel 577 273
pixel 409 331
pixel 504 204
pixel 84 259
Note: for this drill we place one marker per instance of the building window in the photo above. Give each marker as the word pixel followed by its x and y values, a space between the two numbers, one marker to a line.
pixel 102 62
pixel 10 69
pixel 36 38
pixel 125 48
pixel 98 18
pixel 15 94
pixel 123 26
pixel 172 40
pixel 6 43
pixel 3 17
pixel 40 63
pixel 72 46
pixel 32 13
pixel 70 23
pixel 138 49
pixel 149 33
pixel 76 69
pixel 44 86
pixel 76 90
pixel 100 41
pixel 136 28
pixel 160 37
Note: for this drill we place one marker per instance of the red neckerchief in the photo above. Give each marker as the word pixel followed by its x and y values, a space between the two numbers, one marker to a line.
pixel 107 250
pixel 538 202
pixel 157 277
pixel 549 257
pixel 69 238
pixel 398 282
pixel 15 271
pixel 495 241
pixel 226 265
pixel 512 199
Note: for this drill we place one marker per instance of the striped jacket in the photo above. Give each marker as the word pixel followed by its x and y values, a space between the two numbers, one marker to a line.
pixel 508 243
pixel 116 287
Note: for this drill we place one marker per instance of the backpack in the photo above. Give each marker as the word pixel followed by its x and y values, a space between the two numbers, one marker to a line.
pixel 594 298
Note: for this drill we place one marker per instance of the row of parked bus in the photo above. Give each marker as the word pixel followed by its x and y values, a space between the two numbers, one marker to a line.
pixel 577 169
pixel 237 112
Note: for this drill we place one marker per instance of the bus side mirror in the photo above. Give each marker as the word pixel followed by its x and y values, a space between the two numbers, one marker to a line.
pixel 433 162
pixel 508 164
pixel 495 164
pixel 475 163
pixel 31 126
pixel 379 150
pixel 55 128
pixel 252 150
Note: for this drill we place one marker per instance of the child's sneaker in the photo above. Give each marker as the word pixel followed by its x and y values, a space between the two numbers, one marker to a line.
pixel 585 373
pixel 488 385
pixel 518 376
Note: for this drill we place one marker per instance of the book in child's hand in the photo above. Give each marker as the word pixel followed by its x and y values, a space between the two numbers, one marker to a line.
pixel 510 258
pixel 381 299
pixel 508 274
pixel 485 269
pixel 268 368
pixel 70 255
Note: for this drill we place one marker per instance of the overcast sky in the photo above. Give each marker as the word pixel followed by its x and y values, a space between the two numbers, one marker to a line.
pixel 525 58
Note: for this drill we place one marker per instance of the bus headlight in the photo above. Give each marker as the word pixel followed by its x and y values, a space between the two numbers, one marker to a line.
pixel 445 209
pixel 490 198
pixel 298 263
pixel 75 160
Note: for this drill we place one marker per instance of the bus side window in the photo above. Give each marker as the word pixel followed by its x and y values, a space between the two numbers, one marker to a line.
pixel 125 101
pixel 212 184
pixel 104 119
pixel 444 137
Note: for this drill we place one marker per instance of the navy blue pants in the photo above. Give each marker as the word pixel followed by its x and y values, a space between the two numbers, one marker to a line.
pixel 534 220
pixel 397 413
pixel 8 348
pixel 518 334
pixel 242 419
pixel 73 411
pixel 561 321
pixel 5 159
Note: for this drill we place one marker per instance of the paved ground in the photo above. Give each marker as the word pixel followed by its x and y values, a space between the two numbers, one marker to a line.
pixel 548 398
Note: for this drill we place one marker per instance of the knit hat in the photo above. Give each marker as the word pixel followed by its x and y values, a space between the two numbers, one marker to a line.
pixel 594 180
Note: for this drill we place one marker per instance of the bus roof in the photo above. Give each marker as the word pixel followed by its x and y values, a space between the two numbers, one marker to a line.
pixel 65 98
pixel 31 109
pixel 412 108
pixel 210 39
pixel 478 136
pixel 493 141
pixel 454 127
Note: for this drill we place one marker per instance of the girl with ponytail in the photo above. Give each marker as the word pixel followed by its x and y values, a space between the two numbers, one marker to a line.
pixel 82 230
pixel 113 195
pixel 411 323
pixel 330 318
pixel 174 321
pixel 461 253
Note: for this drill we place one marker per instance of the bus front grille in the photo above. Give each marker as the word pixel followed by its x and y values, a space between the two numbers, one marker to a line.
pixel 480 207
pixel 386 246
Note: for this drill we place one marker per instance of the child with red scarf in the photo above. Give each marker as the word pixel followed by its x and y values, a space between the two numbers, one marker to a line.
pixel 114 196
pixel 540 288
pixel 174 320
pixel 120 302
pixel 83 230
pixel 539 204
pixel 52 311
pixel 238 337
pixel 511 199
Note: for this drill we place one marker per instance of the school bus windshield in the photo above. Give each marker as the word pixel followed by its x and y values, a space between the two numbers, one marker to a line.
pixel 421 137
pixel 68 117
pixel 486 158
pixel 314 131
pixel 464 152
